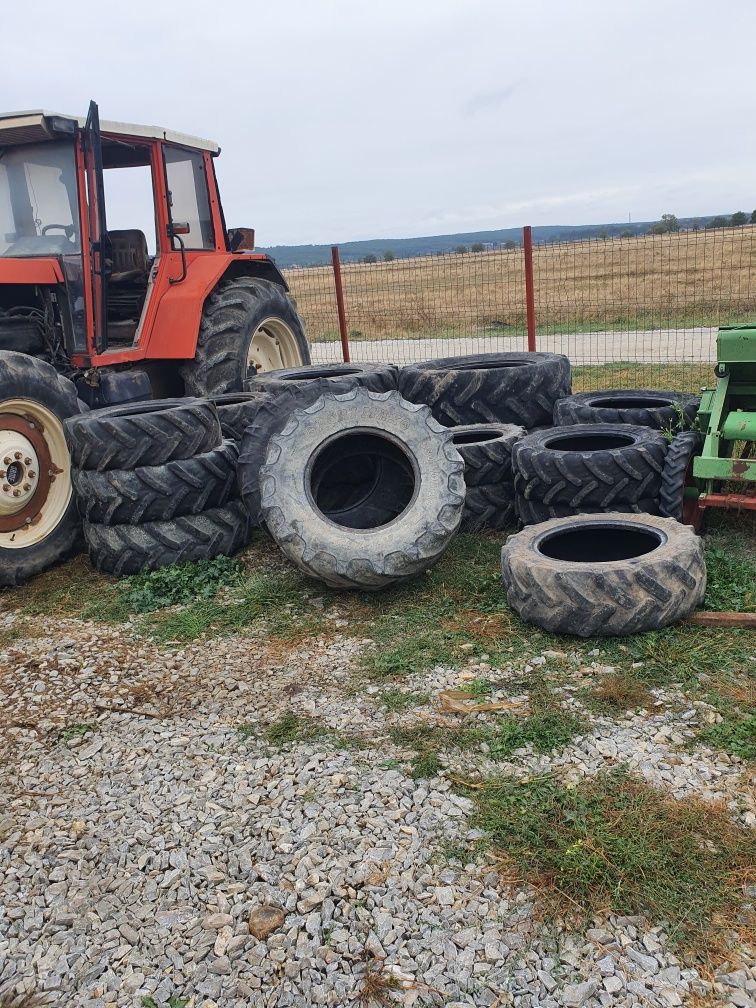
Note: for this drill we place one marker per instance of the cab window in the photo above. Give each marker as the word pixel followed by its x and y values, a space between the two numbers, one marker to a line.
pixel 187 196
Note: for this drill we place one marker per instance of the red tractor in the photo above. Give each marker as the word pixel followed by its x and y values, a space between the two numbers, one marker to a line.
pixel 181 307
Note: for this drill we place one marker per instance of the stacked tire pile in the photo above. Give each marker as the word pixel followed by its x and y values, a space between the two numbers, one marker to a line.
pixel 608 451
pixel 156 484
pixel 489 401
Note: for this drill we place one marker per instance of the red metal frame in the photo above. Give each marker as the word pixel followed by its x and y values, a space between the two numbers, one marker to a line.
pixel 527 246
pixel 336 260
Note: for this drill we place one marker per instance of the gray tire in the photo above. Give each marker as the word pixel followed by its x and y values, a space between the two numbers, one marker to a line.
pixel 682 450
pixel 531 512
pixel 486 450
pixel 158 493
pixel 605 575
pixel 657 408
pixel 129 549
pixel 515 388
pixel 595 464
pixel 403 437
pixel 236 411
pixel 142 433
pixel 489 508
pixel 376 377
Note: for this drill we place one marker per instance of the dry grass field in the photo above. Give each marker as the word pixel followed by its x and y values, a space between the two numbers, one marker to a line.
pixel 673 281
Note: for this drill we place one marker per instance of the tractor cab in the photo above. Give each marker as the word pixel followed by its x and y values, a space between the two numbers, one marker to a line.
pixel 109 212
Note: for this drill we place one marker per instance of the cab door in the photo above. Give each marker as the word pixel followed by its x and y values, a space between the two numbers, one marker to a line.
pixel 99 245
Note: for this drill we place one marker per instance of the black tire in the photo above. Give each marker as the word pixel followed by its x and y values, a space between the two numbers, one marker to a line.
pixel 130 549
pixel 39 385
pixel 376 377
pixel 645 407
pixel 268 418
pixel 517 388
pixel 531 512
pixel 604 576
pixel 142 433
pixel 489 507
pixel 158 493
pixel 424 518
pixel 681 452
pixel 486 450
pixel 230 319
pixel 601 464
pixel 236 411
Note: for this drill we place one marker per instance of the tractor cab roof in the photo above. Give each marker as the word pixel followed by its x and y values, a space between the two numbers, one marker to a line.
pixel 37 125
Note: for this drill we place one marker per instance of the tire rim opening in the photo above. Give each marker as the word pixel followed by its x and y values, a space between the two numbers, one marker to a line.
pixel 487 365
pixel 362 480
pixel 590 442
pixel 600 544
pixel 472 437
pixel 646 402
pixel 320 373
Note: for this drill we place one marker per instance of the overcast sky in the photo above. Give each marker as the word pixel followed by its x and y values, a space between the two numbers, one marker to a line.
pixel 341 119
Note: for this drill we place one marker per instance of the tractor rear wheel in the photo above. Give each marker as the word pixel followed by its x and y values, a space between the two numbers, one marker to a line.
pixel 248 325
pixel 39 522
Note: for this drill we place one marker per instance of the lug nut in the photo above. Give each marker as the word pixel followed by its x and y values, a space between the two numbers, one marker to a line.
pixel 32 474
pixel 17 456
pixel 27 486
pixel 6 488
pixel 7 460
pixel 16 493
pixel 27 461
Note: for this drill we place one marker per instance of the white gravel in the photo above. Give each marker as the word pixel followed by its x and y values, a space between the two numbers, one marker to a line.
pixel 134 855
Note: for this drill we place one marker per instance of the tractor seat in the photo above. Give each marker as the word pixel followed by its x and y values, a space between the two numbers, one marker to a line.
pixel 129 259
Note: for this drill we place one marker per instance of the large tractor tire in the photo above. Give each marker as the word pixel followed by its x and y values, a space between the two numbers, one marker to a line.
pixel 39 522
pixel 604 575
pixel 391 524
pixel 248 325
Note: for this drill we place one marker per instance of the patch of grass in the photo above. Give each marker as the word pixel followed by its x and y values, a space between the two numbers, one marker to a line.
pixel 616 842
pixel 75 731
pixel 730 577
pixel 291 728
pixel 735 735
pixel 172 1002
pixel 71 590
pixel 399 700
pixel 616 693
pixel 426 764
pixel 377 986
pixel 179 583
pixel 545 730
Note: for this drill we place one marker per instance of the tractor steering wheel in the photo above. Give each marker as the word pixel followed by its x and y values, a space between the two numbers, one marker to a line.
pixel 67 229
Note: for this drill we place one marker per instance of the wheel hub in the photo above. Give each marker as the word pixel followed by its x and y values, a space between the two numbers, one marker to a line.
pixel 26 471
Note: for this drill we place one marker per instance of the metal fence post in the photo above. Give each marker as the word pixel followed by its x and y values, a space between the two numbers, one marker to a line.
pixel 340 303
pixel 527 245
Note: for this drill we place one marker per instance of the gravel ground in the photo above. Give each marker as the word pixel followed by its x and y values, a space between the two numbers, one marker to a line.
pixel 163 853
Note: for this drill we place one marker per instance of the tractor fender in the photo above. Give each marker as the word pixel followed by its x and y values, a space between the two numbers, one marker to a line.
pixel 175 328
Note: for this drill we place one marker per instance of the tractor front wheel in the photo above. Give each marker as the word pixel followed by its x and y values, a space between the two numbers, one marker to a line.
pixel 39 522
pixel 248 325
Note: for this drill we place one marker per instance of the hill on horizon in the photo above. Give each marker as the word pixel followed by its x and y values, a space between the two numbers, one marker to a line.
pixel 288 256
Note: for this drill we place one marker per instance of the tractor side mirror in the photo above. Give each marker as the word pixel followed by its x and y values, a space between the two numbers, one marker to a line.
pixel 179 228
pixel 241 239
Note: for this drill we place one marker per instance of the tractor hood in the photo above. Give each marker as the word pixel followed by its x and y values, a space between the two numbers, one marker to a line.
pixel 45 272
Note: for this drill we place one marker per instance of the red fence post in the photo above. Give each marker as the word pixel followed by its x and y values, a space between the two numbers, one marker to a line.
pixel 527 244
pixel 340 302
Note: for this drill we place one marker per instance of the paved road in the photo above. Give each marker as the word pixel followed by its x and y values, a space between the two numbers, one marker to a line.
pixel 651 346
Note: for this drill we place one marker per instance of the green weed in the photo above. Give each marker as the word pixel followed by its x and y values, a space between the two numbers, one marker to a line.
pixel 178 584
pixel 399 700
pixel 735 735
pixel 75 731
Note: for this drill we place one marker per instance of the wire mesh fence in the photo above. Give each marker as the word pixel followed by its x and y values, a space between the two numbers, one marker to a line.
pixel 629 312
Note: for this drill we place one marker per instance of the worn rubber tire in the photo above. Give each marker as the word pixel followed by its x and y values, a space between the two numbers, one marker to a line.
pixel 486 450
pixel 601 476
pixel 490 507
pixel 130 549
pixel 372 558
pixel 25 377
pixel 682 450
pixel 142 433
pixel 376 377
pixel 270 415
pixel 158 493
pixel 22 336
pixel 517 388
pixel 531 512
pixel 613 597
pixel 230 318
pixel 236 411
pixel 628 407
